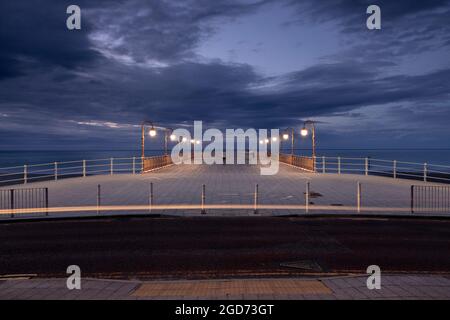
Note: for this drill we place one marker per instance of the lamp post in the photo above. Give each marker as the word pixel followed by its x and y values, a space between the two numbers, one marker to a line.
pixel 285 137
pixel 169 135
pixel 304 132
pixel 152 133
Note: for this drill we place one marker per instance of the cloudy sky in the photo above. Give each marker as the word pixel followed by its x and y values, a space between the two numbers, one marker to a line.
pixel 231 63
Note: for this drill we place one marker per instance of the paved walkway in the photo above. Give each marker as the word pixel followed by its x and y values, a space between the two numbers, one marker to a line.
pixel 353 287
pixel 230 184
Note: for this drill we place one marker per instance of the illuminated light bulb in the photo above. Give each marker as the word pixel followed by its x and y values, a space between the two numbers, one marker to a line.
pixel 304 132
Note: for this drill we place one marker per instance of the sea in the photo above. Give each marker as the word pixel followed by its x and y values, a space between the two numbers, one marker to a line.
pixel 17 158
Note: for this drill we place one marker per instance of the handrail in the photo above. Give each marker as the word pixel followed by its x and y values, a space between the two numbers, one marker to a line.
pixel 321 164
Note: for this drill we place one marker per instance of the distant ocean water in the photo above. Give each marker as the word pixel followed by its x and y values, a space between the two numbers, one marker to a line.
pixel 17 158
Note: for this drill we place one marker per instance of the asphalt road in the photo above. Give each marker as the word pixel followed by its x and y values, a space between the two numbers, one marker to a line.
pixel 222 247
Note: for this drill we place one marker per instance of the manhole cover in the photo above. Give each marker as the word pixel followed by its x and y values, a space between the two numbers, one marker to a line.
pixel 313 194
pixel 304 265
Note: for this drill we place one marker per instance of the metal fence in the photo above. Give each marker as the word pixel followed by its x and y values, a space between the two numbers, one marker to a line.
pixel 80 168
pixel 430 199
pixel 369 166
pixel 306 163
pixel 14 199
pixel 338 165
pixel 156 162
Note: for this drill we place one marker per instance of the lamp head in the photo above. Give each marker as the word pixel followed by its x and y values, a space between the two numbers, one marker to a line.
pixel 285 136
pixel 173 137
pixel 152 132
pixel 304 132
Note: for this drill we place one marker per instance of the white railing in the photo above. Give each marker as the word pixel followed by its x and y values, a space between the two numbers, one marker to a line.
pixel 338 165
pixel 388 168
pixel 68 169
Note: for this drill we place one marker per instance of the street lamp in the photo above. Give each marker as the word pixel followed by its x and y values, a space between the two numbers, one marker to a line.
pixel 286 137
pixel 169 135
pixel 152 133
pixel 304 132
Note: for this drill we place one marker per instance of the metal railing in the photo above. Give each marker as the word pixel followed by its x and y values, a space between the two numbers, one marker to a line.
pixel 430 199
pixel 30 198
pixel 306 163
pixel 339 165
pixel 369 166
pixel 153 163
pixel 79 168
pixel 424 199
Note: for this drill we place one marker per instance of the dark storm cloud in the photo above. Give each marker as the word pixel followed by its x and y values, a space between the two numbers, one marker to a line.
pixel 33 35
pixel 135 60
pixel 163 30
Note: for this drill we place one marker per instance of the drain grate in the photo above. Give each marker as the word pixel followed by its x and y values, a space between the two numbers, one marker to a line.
pixel 307 265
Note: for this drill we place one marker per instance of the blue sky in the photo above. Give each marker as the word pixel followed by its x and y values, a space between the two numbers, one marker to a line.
pixel 231 63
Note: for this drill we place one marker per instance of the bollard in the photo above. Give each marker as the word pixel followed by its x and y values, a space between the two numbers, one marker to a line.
pixel 412 199
pixel 84 168
pixel 366 166
pixel 150 199
pixel 25 174
pixel 134 165
pixel 98 199
pixel 112 166
pixel 425 172
pixel 307 193
pixel 56 171
pixel 255 209
pixel 358 197
pixel 11 194
pixel 394 169
pixel 323 165
pixel 203 199
pixel 46 201
pixel 339 165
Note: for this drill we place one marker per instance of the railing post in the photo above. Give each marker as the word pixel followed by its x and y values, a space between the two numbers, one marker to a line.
pixel 203 199
pixel 339 165
pixel 25 174
pixel 358 197
pixel 366 166
pixel 134 165
pixel 425 172
pixel 46 201
pixel 56 171
pixel 11 199
pixel 112 166
pixel 323 165
pixel 412 199
pixel 394 169
pixel 307 193
pixel 142 164
pixel 255 209
pixel 98 198
pixel 84 168
pixel 150 200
